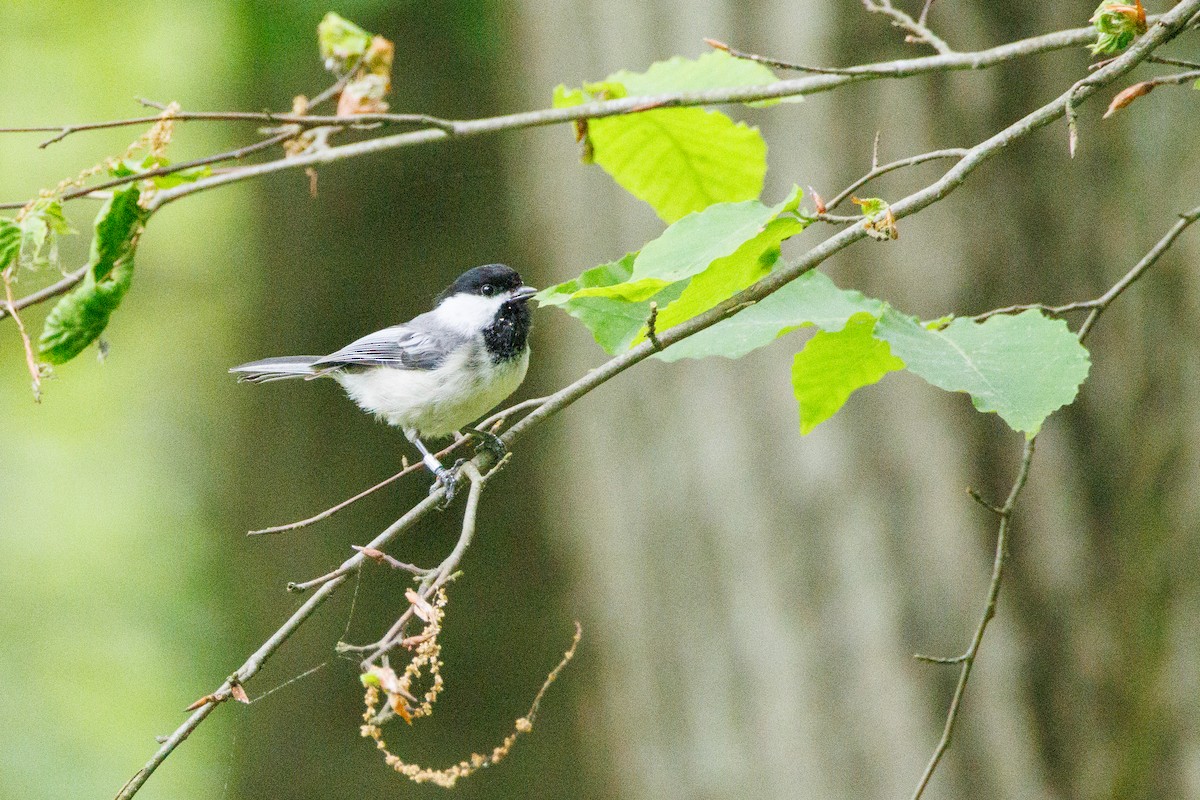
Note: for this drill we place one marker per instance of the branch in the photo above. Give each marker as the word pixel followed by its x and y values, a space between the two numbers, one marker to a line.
pixel 303 120
pixel 876 171
pixel 1005 512
pixel 1101 303
pixel 967 659
pixel 329 512
pixel 918 32
pixel 902 68
pixel 1169 25
pixel 1129 94
pixel 435 578
pixel 496 419
pixel 1097 306
pixel 53 290
pixel 230 155
pixel 255 662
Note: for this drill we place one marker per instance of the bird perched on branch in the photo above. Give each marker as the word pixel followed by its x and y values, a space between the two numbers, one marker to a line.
pixel 437 372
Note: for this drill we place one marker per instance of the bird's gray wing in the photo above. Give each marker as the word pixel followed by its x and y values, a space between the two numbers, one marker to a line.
pixel 412 345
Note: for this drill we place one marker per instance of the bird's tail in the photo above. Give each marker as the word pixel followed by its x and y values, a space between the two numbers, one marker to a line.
pixel 276 369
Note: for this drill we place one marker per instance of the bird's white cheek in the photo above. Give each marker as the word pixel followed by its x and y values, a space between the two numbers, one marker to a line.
pixel 467 313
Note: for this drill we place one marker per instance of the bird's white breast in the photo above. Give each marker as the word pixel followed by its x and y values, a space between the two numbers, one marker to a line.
pixel 440 401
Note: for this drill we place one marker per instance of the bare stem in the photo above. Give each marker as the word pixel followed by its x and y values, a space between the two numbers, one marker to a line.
pixel 255 662
pixel 1097 306
pixel 918 31
pixel 878 170
pixel 967 659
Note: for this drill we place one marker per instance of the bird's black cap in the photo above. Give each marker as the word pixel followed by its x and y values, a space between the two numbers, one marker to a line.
pixel 487 280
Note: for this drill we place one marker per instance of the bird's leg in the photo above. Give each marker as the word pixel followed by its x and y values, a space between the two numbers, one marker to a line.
pixel 446 477
pixel 490 442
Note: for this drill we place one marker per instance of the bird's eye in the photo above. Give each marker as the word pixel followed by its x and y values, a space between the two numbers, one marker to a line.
pixel 487 289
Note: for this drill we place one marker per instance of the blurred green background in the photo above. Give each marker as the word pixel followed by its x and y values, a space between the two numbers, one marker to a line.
pixel 750 599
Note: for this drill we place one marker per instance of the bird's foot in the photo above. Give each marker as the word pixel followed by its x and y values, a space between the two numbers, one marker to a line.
pixel 488 442
pixel 447 479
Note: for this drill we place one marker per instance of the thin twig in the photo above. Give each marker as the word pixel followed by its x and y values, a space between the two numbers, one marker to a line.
pixel 918 31
pixel 395 563
pixel 498 418
pixel 329 512
pixel 876 171
pixel 53 290
pixel 300 588
pixel 967 659
pixel 1097 306
pixel 1143 88
pixel 921 20
pixel 788 88
pixel 501 416
pixel 1101 303
pixel 31 361
pixel 717 44
pixel 269 117
pixel 231 155
pixel 1173 62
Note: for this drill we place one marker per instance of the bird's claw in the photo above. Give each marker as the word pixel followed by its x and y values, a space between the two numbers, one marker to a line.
pixel 489 442
pixel 447 479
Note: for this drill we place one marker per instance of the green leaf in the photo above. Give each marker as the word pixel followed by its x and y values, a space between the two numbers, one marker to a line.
pixel 117 225
pixel 604 275
pixel 715 70
pixel 833 365
pixel 1022 367
pixel 183 176
pixel 40 229
pixel 871 206
pixel 128 168
pixel 1117 24
pixel 10 242
pixel 340 40
pixel 613 323
pixel 82 315
pixel 811 299
pixel 692 245
pixel 678 160
pixel 727 276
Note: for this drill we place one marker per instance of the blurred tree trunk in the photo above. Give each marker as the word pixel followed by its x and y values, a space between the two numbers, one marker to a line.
pixel 760 595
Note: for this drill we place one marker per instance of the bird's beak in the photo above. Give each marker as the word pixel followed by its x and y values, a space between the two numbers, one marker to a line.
pixel 524 292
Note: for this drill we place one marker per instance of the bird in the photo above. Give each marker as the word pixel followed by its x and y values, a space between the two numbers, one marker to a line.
pixel 436 373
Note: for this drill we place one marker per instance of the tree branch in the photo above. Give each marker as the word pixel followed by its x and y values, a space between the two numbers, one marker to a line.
pixel 797 87
pixel 876 171
pixel 967 659
pixel 230 155
pixel 269 117
pixel 1097 306
pixel 918 31
pixel 902 68
pixel 255 662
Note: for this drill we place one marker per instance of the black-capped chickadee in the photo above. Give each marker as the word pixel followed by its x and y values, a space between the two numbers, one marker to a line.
pixel 437 372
